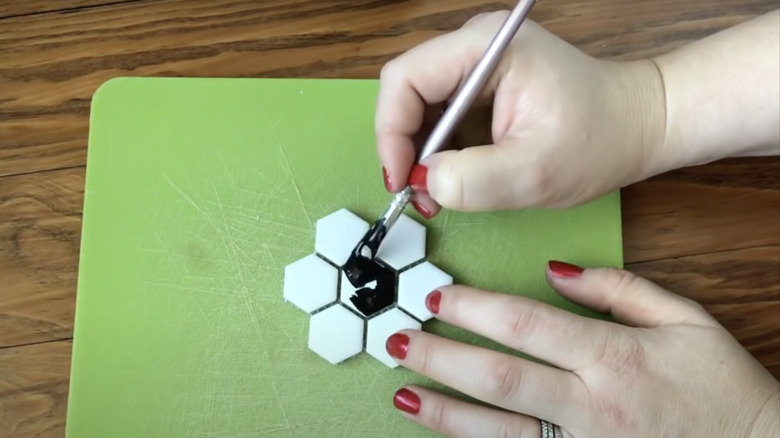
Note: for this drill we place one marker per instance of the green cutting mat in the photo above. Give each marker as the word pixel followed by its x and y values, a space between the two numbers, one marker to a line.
pixel 198 193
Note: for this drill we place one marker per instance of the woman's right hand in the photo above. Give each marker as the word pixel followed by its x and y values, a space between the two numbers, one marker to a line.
pixel 566 127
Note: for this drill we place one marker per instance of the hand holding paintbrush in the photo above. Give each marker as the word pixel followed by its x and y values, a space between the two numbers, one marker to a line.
pixel 358 267
pixel 567 128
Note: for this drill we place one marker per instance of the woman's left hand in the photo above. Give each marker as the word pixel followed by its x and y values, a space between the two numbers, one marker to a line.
pixel 669 369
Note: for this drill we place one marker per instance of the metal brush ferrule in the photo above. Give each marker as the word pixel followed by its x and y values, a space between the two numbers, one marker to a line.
pixel 359 265
pixel 372 241
pixel 396 207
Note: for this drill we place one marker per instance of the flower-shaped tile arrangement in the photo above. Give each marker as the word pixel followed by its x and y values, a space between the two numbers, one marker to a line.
pixel 317 285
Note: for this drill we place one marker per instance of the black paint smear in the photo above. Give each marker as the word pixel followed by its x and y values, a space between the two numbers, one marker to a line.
pixel 360 269
pixel 370 301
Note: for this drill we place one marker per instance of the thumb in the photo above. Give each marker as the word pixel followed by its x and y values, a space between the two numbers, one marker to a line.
pixel 630 299
pixel 480 178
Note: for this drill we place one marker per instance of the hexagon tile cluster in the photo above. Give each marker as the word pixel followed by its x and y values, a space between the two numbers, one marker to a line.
pixel 317 285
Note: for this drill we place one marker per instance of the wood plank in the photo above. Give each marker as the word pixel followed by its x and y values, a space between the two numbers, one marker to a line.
pixel 34 390
pixel 731 277
pixel 721 206
pixel 16 8
pixel 40 229
pixel 51 64
pixel 741 288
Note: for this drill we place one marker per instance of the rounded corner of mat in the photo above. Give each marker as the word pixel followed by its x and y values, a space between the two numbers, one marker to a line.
pixel 109 87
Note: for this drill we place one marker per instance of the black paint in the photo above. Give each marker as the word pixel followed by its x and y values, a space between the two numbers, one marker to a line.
pixel 361 270
pixel 370 301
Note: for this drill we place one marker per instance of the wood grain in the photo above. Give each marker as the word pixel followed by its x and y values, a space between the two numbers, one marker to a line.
pixel 40 229
pixel 51 64
pixel 16 8
pixel 741 288
pixel 725 205
pixel 34 390
pixel 711 233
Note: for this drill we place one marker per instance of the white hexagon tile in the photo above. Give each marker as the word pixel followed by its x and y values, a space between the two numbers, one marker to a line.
pixel 381 327
pixel 310 283
pixel 336 334
pixel 404 244
pixel 337 234
pixel 415 284
pixel 317 285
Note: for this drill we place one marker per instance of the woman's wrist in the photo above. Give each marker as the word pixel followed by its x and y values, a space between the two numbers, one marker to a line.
pixel 722 95
pixel 639 114
pixel 715 98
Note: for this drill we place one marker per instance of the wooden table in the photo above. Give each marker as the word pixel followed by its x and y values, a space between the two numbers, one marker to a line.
pixel 711 233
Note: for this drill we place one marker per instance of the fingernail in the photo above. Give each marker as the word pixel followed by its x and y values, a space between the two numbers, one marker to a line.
pixel 564 270
pixel 418 178
pixel 397 345
pixel 407 401
pixel 432 301
pixel 388 183
pixel 422 210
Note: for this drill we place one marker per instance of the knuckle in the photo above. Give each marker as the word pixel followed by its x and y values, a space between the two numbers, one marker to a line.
pixel 390 70
pixel 503 379
pixel 518 323
pixel 622 354
pixel 381 123
pixel 383 127
pixel 612 413
pixel 449 186
pixel 601 349
pixel 477 19
pixel 438 418
pixel 425 358
pixel 622 282
pixel 621 279
pixel 486 18
pixel 695 305
pixel 698 309
pixel 633 356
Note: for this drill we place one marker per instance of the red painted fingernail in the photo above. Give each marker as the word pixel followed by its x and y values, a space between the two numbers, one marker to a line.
pixel 388 183
pixel 418 178
pixel 432 301
pixel 407 401
pixel 397 345
pixel 564 270
pixel 422 210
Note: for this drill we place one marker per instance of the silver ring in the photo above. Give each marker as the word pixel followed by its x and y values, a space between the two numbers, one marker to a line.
pixel 550 430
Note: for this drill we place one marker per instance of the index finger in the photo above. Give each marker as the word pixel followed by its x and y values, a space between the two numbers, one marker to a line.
pixel 563 339
pixel 425 75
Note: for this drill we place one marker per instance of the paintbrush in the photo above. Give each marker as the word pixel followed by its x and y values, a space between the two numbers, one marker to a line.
pixel 359 267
